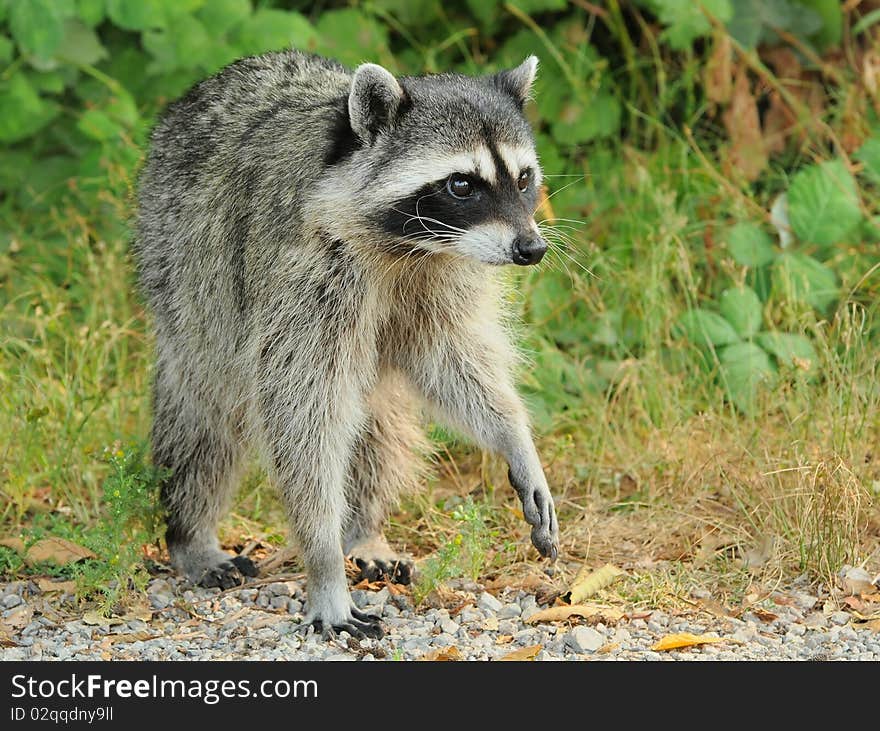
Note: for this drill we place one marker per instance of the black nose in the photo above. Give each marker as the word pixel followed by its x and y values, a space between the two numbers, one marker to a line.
pixel 528 250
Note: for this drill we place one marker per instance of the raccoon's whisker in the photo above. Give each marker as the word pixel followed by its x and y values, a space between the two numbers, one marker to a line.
pixel 568 185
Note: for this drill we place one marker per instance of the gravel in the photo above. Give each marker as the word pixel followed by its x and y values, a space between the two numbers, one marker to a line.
pixel 263 621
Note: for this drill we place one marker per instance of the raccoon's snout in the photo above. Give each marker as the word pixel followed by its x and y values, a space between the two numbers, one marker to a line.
pixel 528 249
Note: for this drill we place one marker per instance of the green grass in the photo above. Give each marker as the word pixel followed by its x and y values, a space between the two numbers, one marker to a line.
pixel 665 457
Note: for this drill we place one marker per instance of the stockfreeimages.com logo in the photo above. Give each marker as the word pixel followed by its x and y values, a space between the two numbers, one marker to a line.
pixel 208 691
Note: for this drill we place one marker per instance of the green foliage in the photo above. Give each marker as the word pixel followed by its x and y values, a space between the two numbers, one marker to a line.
pixel 823 203
pixel 465 555
pixel 750 245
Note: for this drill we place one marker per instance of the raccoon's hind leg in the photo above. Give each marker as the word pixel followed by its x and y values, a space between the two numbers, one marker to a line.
pixel 385 464
pixel 192 439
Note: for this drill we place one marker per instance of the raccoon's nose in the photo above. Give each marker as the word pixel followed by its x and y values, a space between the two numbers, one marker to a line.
pixel 528 250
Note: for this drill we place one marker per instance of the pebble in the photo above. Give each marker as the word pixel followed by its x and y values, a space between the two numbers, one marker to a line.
pixel 490 630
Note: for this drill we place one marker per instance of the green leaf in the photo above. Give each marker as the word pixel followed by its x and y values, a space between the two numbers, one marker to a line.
pixel 350 36
pixel 274 30
pixel 753 21
pixel 805 280
pixel 97 125
pixel 80 46
pixel 22 111
pixel 831 30
pixel 685 20
pixel 745 370
pixel 741 307
pixel 823 203
pixel 218 16
pixel 6 49
pixel 706 328
pixel 91 12
pixel 790 350
pixel 750 245
pixel 139 15
pixel 579 122
pixel 184 44
pixel 869 155
pixel 37 26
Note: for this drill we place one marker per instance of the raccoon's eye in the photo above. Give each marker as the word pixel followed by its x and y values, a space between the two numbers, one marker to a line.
pixel 459 186
pixel 523 181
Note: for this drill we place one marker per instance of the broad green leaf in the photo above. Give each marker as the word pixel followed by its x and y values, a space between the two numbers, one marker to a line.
pixel 742 308
pixel 750 245
pixel 274 30
pixel 869 155
pixel 745 369
pixel 218 16
pixel 790 350
pixel 96 124
pixel 823 203
pixel 753 21
pixel 22 111
pixel 831 30
pixel 91 12
pixel 579 122
pixel 685 21
pixel 37 26
pixel 6 48
pixel 805 280
pixel 706 328
pixel 138 15
pixel 80 45
pixel 51 82
pixel 351 37
pixel 184 44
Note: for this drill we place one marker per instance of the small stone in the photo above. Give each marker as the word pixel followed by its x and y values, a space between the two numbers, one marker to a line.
pixel 839 618
pixel 469 614
pixel 507 627
pixel 279 602
pixel 294 606
pixel 584 639
pixel 280 588
pixel 360 598
pixel 489 603
pixel 379 598
pixel 13 600
pixel 509 611
pixel 447 625
pixel 797 630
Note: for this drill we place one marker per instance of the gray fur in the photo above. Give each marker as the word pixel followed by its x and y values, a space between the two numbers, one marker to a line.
pixel 303 300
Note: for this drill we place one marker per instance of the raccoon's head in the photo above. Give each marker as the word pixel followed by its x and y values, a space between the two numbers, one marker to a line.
pixel 447 163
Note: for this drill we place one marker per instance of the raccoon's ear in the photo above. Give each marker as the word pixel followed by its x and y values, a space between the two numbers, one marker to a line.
pixel 373 101
pixel 518 82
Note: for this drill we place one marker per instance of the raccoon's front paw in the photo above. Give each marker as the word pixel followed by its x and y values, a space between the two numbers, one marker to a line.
pixel 229 573
pixel 540 513
pixel 359 624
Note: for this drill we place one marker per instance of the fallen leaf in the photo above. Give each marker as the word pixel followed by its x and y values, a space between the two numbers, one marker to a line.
pixel 57 550
pixel 567 611
pixel 524 653
pixel 873 625
pixel 503 639
pixel 16 544
pixel 445 654
pixel 6 638
pixel 606 649
pixel 686 639
pixel 716 608
pixel 718 77
pixel 588 582
pixel 855 580
pixel 139 611
pixel 96 619
pixel 18 617
pixel 48 586
pixel 763 614
pixel 127 637
pixel 748 154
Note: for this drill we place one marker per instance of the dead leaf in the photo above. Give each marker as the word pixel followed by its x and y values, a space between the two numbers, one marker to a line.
pixel 718 79
pixel 503 639
pixel 19 617
pixel 855 580
pixel 567 611
pixel 142 612
pixel 445 654
pixel 127 637
pixel 686 639
pixel 58 551
pixel 48 586
pixel 6 638
pixel 94 618
pixel 873 625
pixel 524 653
pixel 588 582
pixel 606 649
pixel 16 544
pixel 763 614
pixel 747 155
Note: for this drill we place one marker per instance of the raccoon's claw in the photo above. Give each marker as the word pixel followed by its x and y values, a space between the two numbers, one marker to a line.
pixel 229 573
pixel 397 572
pixel 361 625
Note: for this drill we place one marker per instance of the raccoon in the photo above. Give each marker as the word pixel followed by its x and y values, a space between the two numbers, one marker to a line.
pixel 319 249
